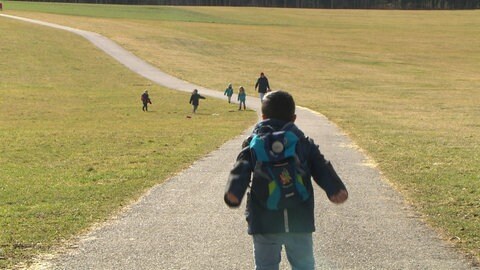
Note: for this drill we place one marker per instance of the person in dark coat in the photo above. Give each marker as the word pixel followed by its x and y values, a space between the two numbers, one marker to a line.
pixel 290 227
pixel 262 86
pixel 145 100
pixel 195 100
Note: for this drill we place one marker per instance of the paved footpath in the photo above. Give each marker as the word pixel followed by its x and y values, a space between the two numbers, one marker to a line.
pixel 184 224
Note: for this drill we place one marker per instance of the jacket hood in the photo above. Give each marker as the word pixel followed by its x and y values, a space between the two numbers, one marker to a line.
pixel 268 124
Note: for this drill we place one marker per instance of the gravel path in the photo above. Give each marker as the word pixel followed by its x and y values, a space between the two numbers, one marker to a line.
pixel 184 224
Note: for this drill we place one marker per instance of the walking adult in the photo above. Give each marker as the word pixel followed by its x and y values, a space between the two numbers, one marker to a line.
pixel 262 85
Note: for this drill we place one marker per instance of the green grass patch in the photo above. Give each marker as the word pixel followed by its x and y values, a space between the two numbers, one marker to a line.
pixel 75 145
pixel 403 84
pixel 111 11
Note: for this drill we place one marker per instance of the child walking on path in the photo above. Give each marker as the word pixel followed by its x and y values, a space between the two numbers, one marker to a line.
pixel 145 100
pixel 229 92
pixel 242 96
pixel 195 100
pixel 278 162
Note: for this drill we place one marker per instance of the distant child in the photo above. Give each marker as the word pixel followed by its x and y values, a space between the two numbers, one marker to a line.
pixel 241 98
pixel 145 100
pixel 195 100
pixel 278 163
pixel 229 92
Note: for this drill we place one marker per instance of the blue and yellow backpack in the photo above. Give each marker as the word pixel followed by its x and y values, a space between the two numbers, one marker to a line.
pixel 277 165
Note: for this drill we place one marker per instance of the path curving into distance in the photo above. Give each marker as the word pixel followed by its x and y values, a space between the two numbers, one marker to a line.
pixel 184 224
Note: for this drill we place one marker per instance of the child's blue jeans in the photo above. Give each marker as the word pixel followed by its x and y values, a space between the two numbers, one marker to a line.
pixel 298 247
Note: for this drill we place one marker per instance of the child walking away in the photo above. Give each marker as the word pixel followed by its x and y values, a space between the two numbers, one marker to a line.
pixel 195 100
pixel 278 163
pixel 241 98
pixel 229 92
pixel 145 100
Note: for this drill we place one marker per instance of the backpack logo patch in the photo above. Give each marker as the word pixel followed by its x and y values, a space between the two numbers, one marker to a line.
pixel 285 178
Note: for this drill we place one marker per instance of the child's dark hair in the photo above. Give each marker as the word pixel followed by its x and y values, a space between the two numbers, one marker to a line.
pixel 278 105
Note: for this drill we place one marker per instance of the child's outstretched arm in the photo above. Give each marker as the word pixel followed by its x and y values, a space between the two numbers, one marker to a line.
pixel 325 176
pixel 238 179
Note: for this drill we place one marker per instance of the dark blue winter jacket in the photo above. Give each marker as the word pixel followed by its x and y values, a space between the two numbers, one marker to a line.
pixel 262 84
pixel 195 99
pixel 299 219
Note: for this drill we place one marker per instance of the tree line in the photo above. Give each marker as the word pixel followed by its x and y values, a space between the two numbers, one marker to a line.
pixel 324 4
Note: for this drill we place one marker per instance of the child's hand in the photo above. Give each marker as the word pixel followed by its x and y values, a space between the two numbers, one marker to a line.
pixel 339 197
pixel 231 200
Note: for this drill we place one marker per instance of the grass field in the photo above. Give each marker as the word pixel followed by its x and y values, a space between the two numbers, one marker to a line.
pixel 76 147
pixel 403 84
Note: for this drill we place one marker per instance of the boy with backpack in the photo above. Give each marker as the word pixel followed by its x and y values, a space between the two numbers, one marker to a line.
pixel 277 163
